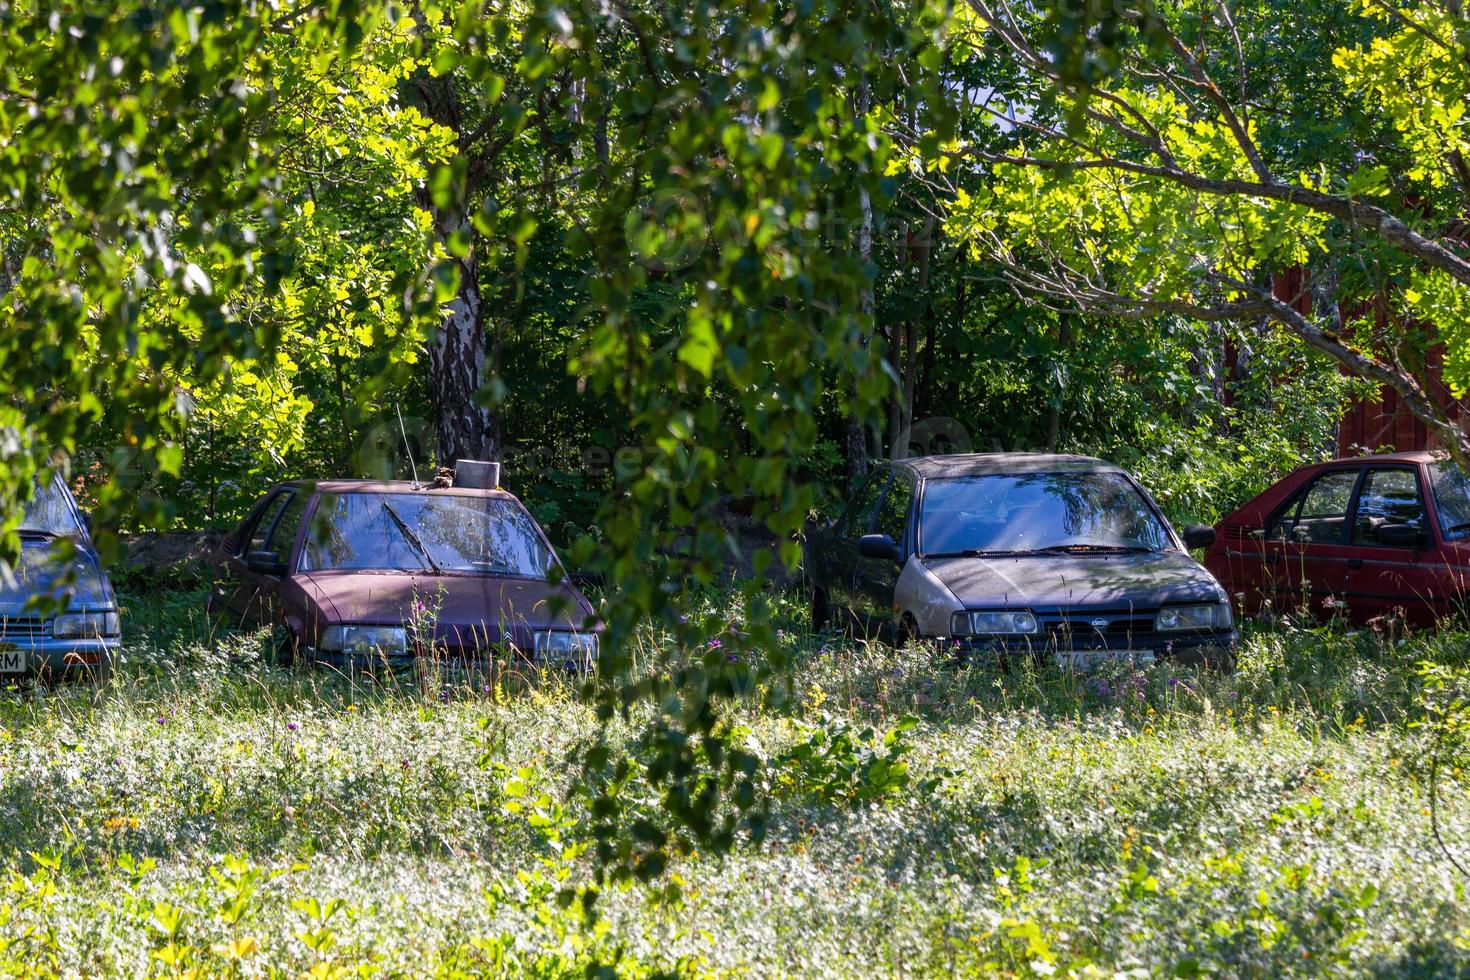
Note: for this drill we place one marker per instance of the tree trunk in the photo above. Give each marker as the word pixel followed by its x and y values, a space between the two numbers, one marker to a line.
pixel 857 456
pixel 457 349
pixel 910 364
pixel 457 358
pixel 1054 419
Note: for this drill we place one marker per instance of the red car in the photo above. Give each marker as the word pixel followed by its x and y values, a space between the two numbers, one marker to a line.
pixel 1365 537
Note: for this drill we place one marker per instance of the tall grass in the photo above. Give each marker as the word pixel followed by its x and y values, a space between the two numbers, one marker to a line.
pixel 211 811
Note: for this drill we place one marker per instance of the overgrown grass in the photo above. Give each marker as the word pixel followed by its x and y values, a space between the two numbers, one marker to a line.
pixel 209 812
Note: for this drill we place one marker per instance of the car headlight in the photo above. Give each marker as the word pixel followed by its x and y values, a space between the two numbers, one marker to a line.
pixel 564 645
pixel 1211 616
pixel 365 641
pixel 85 626
pixel 1017 622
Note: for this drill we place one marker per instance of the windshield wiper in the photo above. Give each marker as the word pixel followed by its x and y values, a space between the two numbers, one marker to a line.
pixel 1096 549
pixel 411 537
pixel 1458 528
pixel 980 553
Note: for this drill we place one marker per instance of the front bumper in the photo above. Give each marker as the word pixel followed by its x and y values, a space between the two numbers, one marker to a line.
pixel 451 666
pixel 46 656
pixel 1084 652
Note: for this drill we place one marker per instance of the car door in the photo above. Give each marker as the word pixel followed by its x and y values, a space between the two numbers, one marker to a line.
pixel 1386 577
pixel 255 594
pixel 877 578
pixel 1305 546
pixel 857 520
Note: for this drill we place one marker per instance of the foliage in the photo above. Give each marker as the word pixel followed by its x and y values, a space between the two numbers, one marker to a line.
pixel 148 218
pixel 835 765
pixel 1161 190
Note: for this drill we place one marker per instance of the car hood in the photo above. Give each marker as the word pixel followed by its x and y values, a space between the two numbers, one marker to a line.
pixel 1066 581
pixel 42 572
pixel 460 603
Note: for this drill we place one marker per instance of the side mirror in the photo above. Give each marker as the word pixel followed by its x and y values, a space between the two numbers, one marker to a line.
pixel 1399 536
pixel 1197 536
pixel 265 563
pixel 879 546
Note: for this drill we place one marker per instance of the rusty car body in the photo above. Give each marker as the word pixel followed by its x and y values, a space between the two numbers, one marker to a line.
pixel 358 574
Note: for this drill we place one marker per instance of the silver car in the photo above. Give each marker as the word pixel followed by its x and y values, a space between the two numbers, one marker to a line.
pixel 1062 558
pixel 58 613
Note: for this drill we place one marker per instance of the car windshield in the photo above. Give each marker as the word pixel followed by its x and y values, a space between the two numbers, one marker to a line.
pixel 1038 512
pixel 1452 499
pixel 425 532
pixel 49 512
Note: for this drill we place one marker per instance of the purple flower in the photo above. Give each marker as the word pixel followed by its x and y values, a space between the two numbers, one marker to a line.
pixel 292 725
pixel 715 644
pixel 162 720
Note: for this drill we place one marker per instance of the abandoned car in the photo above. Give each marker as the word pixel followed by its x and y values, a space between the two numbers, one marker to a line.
pixel 58 613
pixel 1061 558
pixel 1362 538
pixel 359 574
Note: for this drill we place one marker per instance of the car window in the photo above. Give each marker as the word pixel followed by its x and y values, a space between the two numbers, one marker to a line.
pixel 1318 514
pixel 266 522
pixel 284 536
pixel 1388 497
pixel 422 531
pixel 860 510
pixel 894 513
pixel 1038 511
pixel 49 511
pixel 1452 499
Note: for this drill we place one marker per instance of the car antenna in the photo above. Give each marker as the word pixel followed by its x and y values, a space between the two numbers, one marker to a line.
pixel 407 449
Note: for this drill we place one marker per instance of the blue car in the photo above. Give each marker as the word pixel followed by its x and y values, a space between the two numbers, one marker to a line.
pixel 76 635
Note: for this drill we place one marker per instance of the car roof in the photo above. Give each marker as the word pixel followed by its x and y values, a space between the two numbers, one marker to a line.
pixel 397 486
pixel 987 464
pixel 1422 456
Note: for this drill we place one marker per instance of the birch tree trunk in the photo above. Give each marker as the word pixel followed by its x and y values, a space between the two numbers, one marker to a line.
pixel 457 368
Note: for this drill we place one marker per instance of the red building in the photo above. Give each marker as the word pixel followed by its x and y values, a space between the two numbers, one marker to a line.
pixel 1376 424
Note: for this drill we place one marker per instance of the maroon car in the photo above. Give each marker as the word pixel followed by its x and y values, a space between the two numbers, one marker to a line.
pixel 1364 537
pixel 354 573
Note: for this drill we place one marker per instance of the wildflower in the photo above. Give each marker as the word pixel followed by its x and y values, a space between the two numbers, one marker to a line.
pixel 715 644
pixel 162 720
pixel 291 725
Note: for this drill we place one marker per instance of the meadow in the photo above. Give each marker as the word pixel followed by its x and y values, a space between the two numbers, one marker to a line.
pixel 208 812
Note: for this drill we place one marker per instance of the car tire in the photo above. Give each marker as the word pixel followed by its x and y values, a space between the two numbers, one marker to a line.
pixel 283 646
pixel 821 611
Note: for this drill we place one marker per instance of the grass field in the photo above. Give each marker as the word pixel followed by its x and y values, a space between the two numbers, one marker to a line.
pixel 207 813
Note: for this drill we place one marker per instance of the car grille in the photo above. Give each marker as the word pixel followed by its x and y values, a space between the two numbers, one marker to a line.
pixel 1129 629
pixel 22 627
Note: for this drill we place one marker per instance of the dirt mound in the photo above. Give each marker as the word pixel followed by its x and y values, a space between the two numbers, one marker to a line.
pixel 168 557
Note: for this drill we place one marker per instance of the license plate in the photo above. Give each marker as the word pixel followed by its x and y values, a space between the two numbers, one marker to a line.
pixel 12 661
pixel 1088 659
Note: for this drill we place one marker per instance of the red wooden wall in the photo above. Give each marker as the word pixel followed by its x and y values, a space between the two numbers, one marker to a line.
pixel 1380 423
